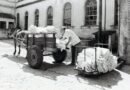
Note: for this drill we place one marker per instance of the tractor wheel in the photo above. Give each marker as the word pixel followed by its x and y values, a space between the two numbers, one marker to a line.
pixel 59 56
pixel 35 57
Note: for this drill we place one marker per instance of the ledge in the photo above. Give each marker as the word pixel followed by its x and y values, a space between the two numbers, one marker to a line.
pixel 28 3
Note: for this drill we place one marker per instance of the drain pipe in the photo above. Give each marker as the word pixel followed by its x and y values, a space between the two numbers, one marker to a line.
pixel 105 17
pixel 119 12
pixel 100 20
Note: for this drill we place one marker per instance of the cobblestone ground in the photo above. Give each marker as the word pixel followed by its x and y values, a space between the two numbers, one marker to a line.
pixel 15 74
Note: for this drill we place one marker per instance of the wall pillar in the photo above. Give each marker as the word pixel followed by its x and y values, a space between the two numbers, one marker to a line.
pixel 128 51
pixel 7 25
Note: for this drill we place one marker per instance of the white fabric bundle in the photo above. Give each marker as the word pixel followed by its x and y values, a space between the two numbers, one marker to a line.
pixel 32 29
pixel 51 29
pixel 41 30
pixel 61 43
pixel 48 29
pixel 96 59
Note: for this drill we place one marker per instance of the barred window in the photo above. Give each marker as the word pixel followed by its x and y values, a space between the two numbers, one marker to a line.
pixel 67 15
pixel 36 17
pixel 91 12
pixel 116 13
pixel 50 16
pixel 26 20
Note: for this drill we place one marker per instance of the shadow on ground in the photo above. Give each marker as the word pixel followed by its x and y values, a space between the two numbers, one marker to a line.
pixel 52 71
pixel 45 68
pixel 125 68
pixel 105 80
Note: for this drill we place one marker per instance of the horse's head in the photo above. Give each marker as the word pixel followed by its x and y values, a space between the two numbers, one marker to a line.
pixel 21 36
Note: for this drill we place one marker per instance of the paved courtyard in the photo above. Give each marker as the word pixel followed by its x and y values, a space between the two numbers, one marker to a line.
pixel 15 74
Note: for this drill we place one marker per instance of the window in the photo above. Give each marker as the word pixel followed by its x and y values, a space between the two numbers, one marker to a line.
pixel 18 17
pixel 26 20
pixel 90 12
pixel 67 15
pixel 50 16
pixel 2 25
pixel 36 22
pixel 116 13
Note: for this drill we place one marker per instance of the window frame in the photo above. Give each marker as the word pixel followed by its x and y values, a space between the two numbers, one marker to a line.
pixel 3 24
pixel 67 9
pixel 116 14
pixel 18 20
pixel 50 15
pixel 26 20
pixel 90 13
pixel 36 22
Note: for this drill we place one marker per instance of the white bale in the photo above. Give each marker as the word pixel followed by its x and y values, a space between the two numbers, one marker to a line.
pixel 41 30
pixel 32 29
pixel 104 61
pixel 51 29
pixel 61 44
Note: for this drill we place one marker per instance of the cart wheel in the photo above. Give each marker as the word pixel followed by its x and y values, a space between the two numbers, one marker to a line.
pixel 35 57
pixel 59 56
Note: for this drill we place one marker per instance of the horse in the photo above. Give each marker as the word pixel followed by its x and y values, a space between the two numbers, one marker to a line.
pixel 19 38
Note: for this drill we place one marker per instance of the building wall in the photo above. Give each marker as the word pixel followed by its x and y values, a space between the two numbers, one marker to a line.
pixel 7 21
pixel 7 6
pixel 109 13
pixel 124 43
pixel 128 39
pixel 78 14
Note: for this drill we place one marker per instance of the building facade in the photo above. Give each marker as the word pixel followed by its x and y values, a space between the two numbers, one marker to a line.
pixel 81 15
pixel 7 13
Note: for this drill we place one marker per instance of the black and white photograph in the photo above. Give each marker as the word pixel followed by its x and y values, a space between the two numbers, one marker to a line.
pixel 64 44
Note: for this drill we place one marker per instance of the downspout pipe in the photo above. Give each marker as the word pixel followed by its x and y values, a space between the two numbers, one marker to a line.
pixel 105 17
pixel 100 21
pixel 119 21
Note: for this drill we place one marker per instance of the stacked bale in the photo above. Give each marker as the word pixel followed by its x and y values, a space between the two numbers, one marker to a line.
pixel 99 60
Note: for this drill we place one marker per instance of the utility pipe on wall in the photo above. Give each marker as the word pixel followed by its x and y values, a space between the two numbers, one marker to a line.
pixel 100 20
pixel 105 16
